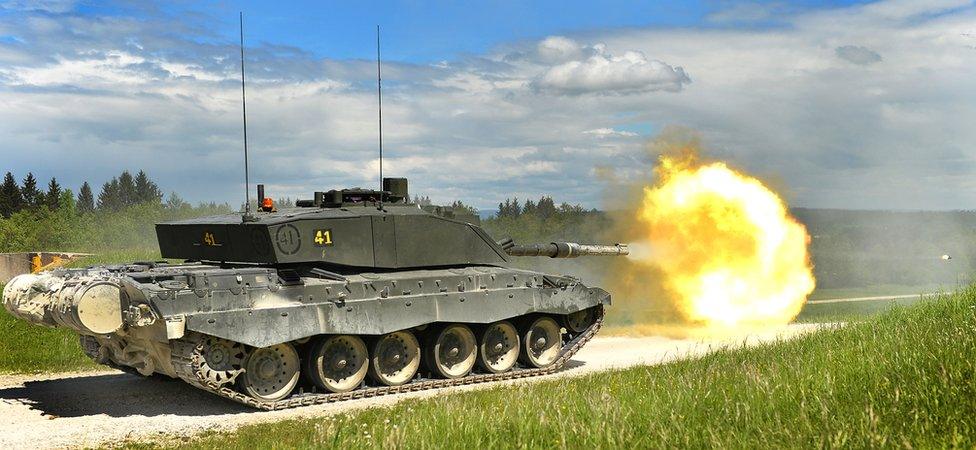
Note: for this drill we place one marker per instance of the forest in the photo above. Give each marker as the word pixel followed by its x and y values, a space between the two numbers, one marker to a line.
pixel 119 219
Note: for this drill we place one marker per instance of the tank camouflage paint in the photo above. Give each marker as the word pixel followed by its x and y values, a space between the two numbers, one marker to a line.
pixel 354 293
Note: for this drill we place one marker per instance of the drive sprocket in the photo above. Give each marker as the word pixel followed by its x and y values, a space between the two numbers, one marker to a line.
pixel 221 360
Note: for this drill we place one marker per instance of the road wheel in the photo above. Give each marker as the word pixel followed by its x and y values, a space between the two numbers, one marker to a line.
pixel 394 358
pixel 452 351
pixel 270 373
pixel 541 341
pixel 337 363
pixel 498 348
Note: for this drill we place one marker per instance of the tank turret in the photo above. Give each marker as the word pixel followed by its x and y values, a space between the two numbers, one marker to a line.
pixel 340 228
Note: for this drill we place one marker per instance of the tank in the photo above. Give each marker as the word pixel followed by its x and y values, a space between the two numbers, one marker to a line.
pixel 351 294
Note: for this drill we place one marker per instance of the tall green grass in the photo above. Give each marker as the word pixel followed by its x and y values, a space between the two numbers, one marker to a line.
pixel 905 378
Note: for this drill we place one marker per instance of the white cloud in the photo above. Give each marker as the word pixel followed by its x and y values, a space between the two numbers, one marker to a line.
pixel 609 132
pixel 110 69
pixel 605 73
pixel 558 49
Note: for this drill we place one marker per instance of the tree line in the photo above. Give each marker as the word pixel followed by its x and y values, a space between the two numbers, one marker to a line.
pixel 545 208
pixel 121 192
pixel 121 217
pixel 457 205
pixel 17 197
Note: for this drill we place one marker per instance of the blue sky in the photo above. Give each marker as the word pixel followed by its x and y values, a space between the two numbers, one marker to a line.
pixel 836 104
pixel 418 31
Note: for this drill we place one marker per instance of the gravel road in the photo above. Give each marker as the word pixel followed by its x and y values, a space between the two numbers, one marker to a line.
pixel 96 408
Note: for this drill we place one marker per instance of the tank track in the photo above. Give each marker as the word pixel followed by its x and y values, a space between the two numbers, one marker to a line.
pixel 187 359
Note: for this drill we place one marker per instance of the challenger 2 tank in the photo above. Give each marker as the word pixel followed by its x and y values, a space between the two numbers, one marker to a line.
pixel 351 294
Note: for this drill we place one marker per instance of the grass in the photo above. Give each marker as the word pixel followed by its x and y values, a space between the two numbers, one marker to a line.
pixel 879 289
pixel 856 310
pixel 904 378
pixel 846 311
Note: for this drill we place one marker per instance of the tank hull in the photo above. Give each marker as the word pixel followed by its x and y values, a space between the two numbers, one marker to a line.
pixel 149 314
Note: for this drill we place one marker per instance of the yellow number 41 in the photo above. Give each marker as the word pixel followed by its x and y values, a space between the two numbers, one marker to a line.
pixel 323 237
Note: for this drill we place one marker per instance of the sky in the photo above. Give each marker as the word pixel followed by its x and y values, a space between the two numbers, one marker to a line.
pixel 866 105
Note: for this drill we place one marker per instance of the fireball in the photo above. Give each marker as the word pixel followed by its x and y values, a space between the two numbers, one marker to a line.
pixel 729 251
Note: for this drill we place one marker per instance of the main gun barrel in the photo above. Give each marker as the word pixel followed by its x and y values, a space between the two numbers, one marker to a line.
pixel 566 250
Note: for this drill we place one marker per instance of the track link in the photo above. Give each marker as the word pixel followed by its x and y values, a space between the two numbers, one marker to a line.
pixel 187 359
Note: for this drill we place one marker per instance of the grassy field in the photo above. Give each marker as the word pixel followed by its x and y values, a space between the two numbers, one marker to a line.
pixel 847 311
pixel 904 378
pixel 880 289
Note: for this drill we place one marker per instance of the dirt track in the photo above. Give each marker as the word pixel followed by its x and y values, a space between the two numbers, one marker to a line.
pixel 108 407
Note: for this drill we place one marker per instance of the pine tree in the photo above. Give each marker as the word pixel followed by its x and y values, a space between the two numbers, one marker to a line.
pixel 109 199
pixel 86 201
pixel 546 207
pixel 53 197
pixel 67 203
pixel 29 192
pixel 146 190
pixel 127 190
pixel 10 198
pixel 174 202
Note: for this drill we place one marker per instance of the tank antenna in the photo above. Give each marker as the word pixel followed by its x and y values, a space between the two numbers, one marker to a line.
pixel 379 100
pixel 247 181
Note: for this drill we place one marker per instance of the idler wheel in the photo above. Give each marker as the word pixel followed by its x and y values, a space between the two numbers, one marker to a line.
pixel 579 321
pixel 271 373
pixel 541 341
pixel 498 348
pixel 394 358
pixel 452 351
pixel 337 363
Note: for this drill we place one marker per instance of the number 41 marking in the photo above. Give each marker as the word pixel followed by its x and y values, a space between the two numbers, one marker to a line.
pixel 323 237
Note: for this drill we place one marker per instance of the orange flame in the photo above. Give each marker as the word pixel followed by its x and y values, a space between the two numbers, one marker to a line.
pixel 728 251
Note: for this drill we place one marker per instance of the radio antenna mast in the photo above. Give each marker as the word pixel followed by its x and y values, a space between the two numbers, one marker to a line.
pixel 379 99
pixel 247 181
